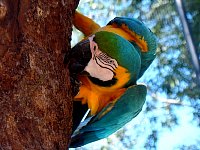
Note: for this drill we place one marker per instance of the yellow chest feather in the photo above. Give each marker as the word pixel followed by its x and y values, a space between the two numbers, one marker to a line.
pixel 98 97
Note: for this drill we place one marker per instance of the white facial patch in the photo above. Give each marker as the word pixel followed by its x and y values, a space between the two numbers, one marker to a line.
pixel 100 66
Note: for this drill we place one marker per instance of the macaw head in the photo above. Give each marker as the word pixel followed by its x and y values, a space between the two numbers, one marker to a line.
pixel 123 55
pixel 109 60
pixel 124 42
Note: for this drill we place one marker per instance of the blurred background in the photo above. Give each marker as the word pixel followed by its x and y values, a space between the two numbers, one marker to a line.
pixel 170 119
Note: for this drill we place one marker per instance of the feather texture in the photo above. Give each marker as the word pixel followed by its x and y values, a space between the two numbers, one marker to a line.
pixel 126 48
pixel 123 110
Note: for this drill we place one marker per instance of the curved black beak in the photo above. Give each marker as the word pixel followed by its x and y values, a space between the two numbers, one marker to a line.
pixel 78 57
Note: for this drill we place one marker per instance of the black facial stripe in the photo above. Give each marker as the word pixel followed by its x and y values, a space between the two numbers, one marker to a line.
pixel 103 83
pixel 114 65
pixel 101 65
pixel 105 58
pixel 103 55
pixel 110 63
pixel 105 63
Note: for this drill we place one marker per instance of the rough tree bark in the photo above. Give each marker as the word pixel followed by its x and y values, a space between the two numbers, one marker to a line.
pixel 35 96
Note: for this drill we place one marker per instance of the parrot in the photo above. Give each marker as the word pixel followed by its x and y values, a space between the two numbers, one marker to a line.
pixel 104 68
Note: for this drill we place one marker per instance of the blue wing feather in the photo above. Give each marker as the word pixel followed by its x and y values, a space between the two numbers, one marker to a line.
pixel 125 109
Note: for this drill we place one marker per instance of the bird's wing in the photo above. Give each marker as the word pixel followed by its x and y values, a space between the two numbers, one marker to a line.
pixel 112 117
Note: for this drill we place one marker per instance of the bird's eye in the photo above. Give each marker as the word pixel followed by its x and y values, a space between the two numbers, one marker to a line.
pixel 95 48
pixel 110 61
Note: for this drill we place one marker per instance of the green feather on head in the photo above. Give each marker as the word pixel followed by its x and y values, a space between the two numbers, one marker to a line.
pixel 137 28
pixel 121 50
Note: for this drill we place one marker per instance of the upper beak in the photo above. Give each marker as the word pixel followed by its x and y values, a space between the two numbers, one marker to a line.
pixel 78 57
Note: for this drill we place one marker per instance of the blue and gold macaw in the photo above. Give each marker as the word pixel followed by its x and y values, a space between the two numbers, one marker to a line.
pixel 106 64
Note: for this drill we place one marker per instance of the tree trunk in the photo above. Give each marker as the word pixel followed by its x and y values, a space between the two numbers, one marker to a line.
pixel 35 96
